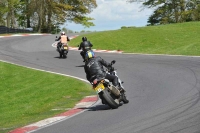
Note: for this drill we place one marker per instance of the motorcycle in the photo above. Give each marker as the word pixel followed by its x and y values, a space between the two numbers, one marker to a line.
pixel 108 93
pixel 62 49
pixel 82 53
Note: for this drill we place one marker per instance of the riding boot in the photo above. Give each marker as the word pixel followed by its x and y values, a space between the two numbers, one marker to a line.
pixel 58 49
pixel 82 55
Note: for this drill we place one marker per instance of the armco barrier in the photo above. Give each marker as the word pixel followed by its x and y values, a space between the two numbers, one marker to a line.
pixel 5 30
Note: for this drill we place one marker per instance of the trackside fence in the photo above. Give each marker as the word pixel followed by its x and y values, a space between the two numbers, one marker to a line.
pixel 5 30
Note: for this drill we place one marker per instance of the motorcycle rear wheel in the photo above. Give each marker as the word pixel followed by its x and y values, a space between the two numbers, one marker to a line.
pixel 64 55
pixel 109 99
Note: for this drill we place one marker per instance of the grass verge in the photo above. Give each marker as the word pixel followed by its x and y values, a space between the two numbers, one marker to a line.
pixel 28 95
pixel 174 39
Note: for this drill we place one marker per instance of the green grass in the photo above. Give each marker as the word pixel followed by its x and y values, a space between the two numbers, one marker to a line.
pixel 27 95
pixel 175 39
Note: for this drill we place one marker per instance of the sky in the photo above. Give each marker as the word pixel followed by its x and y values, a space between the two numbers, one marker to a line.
pixel 113 14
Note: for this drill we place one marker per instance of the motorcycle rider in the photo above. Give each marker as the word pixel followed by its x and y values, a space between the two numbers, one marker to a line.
pixel 94 69
pixel 85 46
pixel 63 39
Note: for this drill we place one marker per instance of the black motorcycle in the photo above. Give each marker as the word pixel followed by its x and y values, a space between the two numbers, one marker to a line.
pixel 108 93
pixel 83 52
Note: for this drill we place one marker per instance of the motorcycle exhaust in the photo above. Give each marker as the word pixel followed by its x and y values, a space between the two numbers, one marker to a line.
pixel 114 90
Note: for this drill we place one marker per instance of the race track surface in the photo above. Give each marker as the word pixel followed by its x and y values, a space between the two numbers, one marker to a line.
pixel 163 90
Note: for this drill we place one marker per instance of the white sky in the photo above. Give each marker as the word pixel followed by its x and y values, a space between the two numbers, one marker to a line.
pixel 113 14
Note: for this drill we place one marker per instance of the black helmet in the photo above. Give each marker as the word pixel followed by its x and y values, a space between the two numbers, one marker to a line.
pixel 84 38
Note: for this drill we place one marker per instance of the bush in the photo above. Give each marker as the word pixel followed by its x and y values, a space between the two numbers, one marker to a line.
pixel 123 27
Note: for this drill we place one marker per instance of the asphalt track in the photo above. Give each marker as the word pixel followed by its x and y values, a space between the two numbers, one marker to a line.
pixel 163 90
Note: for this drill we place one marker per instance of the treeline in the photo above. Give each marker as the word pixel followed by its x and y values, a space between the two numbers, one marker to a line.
pixel 72 31
pixel 172 11
pixel 45 15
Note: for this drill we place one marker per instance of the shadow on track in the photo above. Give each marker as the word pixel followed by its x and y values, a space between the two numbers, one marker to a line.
pixel 98 107
pixel 60 57
pixel 80 66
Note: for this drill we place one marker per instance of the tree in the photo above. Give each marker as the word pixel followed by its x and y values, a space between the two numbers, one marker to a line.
pixel 10 11
pixel 44 14
pixel 172 11
pixel 79 9
pixel 3 10
pixel 54 12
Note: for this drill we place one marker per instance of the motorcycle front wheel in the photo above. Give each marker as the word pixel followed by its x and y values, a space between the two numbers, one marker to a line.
pixel 124 99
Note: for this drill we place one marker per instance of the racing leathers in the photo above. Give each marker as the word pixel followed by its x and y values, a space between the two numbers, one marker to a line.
pixel 85 46
pixel 94 69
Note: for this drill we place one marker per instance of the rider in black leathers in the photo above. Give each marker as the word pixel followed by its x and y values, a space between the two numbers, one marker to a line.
pixel 94 69
pixel 85 46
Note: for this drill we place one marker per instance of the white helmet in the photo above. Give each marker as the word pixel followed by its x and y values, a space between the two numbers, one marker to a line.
pixel 63 33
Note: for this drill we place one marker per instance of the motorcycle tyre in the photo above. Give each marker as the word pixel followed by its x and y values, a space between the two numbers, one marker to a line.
pixel 60 55
pixel 64 55
pixel 109 100
pixel 124 99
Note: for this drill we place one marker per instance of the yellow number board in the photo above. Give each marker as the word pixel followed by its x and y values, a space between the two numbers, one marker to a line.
pixel 99 88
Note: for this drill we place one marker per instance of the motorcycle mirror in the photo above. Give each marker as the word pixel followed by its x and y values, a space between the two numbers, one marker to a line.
pixel 113 62
pixel 56 37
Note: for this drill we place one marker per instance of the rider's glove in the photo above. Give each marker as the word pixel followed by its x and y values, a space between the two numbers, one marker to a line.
pixel 111 69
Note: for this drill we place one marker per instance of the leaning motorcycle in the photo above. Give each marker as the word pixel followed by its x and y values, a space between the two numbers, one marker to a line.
pixel 63 49
pixel 82 53
pixel 108 93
